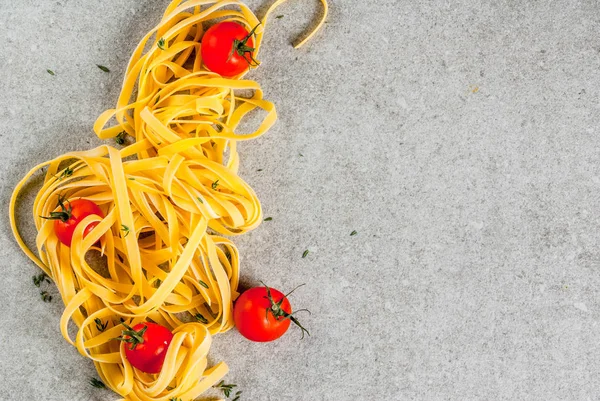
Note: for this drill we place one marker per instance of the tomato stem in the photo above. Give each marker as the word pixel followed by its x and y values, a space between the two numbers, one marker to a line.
pixel 278 312
pixel 288 294
pixel 134 337
pixel 64 215
pixel 241 48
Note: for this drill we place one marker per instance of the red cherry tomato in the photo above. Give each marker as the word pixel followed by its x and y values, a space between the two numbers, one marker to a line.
pixel 263 314
pixel 227 49
pixel 69 217
pixel 146 345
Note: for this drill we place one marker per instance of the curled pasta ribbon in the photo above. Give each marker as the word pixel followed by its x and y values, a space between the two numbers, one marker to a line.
pixel 157 254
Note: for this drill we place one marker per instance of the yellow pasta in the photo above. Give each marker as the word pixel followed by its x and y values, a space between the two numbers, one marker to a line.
pixel 158 254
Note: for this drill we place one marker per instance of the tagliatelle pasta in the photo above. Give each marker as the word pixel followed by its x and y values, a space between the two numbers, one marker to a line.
pixel 158 254
pixel 158 269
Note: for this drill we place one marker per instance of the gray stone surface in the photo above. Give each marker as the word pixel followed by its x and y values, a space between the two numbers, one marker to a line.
pixel 459 138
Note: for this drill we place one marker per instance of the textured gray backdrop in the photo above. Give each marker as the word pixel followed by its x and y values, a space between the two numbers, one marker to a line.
pixel 458 138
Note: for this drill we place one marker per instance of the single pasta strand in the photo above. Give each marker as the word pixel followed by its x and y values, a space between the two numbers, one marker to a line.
pixel 176 189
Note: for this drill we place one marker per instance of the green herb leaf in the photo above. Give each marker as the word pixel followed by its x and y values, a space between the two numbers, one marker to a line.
pixel 120 138
pixel 305 254
pixel 40 278
pixel 215 184
pixel 131 179
pixel 66 173
pixel 300 154
pixel 200 200
pixel 260 169
pixel 268 219
pixel 97 383
pixel 125 230
pixel 103 68
pixel 279 17
pixel 100 325
pixel 50 72
pixel 201 318
pixel 203 284
pixel 226 388
pixel 161 44
pixel 45 296
pixel 353 233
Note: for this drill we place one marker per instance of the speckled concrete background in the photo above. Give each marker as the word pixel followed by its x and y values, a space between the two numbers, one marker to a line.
pixel 458 138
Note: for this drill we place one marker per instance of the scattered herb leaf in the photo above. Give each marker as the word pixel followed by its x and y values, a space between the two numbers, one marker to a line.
pixel 97 383
pixel 215 184
pixel 100 325
pixel 300 154
pixel 268 219
pixel 125 229
pixel 45 296
pixel 353 233
pixel 103 68
pixel 66 173
pixel 131 179
pixel 161 44
pixel 279 17
pixel 200 200
pixel 50 72
pixel 201 319
pixel 305 254
pixel 260 169
pixel 203 284
pixel 40 278
pixel 226 388
pixel 120 138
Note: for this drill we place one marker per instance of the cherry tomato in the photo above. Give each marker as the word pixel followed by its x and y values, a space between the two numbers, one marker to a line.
pixel 263 314
pixel 227 49
pixel 69 217
pixel 146 345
